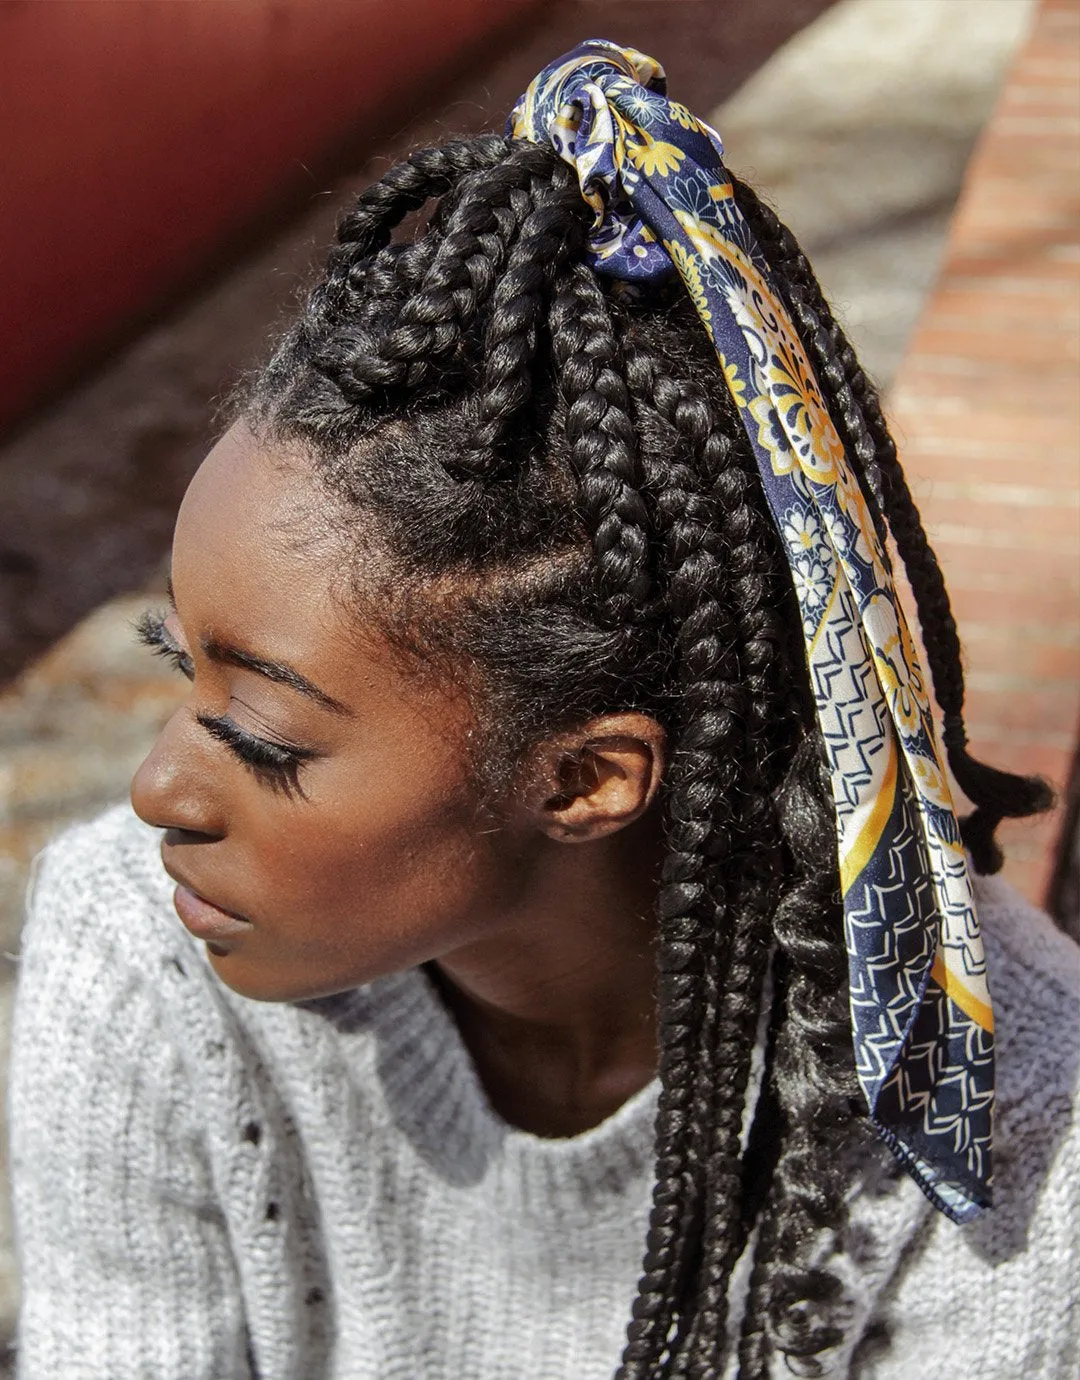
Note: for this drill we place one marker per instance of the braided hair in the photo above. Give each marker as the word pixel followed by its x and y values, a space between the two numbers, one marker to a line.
pixel 556 500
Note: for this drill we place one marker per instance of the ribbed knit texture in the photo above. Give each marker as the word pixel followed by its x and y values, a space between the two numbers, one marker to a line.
pixel 209 1188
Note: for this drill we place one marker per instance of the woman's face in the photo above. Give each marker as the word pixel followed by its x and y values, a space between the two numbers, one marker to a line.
pixel 310 787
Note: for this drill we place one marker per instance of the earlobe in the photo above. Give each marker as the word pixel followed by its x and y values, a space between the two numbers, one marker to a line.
pixel 600 778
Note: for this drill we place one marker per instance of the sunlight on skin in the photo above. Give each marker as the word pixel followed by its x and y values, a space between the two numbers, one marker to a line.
pixel 356 843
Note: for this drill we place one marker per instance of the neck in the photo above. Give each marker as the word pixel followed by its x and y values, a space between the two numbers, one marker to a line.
pixel 558 1010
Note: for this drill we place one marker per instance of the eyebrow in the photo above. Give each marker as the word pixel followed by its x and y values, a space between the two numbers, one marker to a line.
pixel 225 653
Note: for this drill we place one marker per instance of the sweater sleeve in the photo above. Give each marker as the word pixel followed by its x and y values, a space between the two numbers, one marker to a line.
pixel 126 1266
pixel 998 1299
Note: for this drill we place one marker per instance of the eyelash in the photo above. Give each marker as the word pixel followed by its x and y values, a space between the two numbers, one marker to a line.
pixel 151 632
pixel 278 766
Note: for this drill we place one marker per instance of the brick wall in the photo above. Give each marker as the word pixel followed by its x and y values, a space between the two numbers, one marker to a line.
pixel 987 410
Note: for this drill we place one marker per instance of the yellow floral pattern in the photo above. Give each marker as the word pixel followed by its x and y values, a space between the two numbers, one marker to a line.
pixel 691 276
pixel 736 385
pixel 771 436
pixel 654 156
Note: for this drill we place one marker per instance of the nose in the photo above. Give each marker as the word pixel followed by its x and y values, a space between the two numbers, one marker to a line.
pixel 174 786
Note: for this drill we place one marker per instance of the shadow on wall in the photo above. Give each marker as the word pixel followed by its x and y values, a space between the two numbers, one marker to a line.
pixel 163 131
pixel 92 485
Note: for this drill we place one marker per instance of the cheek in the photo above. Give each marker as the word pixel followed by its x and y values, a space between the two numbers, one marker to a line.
pixel 376 872
pixel 403 860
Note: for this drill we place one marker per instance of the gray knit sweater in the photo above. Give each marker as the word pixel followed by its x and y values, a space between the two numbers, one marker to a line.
pixel 209 1188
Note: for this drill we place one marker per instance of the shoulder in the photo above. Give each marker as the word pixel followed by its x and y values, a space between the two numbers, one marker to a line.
pixel 98 937
pixel 109 982
pixel 1028 950
pixel 998 1289
pixel 108 977
pixel 99 930
pixel 1034 972
pixel 101 881
pixel 92 1052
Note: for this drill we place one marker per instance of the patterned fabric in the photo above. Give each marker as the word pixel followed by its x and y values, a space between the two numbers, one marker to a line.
pixel 920 1007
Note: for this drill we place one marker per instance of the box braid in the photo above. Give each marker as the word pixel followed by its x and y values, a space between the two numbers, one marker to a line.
pixel 811 1090
pixel 556 501
pixel 707 846
pixel 733 990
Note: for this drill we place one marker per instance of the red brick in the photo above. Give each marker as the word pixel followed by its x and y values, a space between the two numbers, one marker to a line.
pixel 1011 604
pixel 1037 209
pixel 1041 660
pixel 1029 759
pixel 1014 428
pixel 970 433
pixel 1035 97
pixel 1060 71
pixel 989 345
pixel 1043 310
pixel 1026 414
pixel 996 572
pixel 994 581
pixel 1045 45
pixel 1022 287
pixel 1030 301
pixel 927 459
pixel 973 258
pixel 1002 157
pixel 1056 525
pixel 950 386
pixel 1052 707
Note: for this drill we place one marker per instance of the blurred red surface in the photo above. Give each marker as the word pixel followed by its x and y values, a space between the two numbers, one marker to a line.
pixel 137 141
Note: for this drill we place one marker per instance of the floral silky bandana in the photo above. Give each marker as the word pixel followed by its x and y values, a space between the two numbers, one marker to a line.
pixel 920 1008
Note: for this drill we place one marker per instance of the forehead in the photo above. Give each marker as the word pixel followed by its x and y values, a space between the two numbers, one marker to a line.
pixel 261 561
pixel 257 563
pixel 259 566
pixel 249 501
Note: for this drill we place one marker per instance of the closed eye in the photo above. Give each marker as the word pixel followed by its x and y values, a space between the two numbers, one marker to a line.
pixel 275 763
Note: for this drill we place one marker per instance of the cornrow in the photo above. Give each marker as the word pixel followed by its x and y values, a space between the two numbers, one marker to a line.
pixel 714 694
pixel 403 188
pixel 604 455
pixel 437 287
pixel 570 512
pixel 811 1088
pixel 354 268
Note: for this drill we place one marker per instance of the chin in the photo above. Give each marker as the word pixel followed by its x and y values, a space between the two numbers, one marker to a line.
pixel 260 982
pixel 253 982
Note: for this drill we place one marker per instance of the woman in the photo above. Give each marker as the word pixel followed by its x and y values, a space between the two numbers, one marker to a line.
pixel 566 867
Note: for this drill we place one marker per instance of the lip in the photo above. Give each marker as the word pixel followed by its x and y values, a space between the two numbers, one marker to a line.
pixel 205 920
pixel 201 917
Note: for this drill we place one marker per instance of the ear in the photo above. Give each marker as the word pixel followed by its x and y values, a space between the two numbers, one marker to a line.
pixel 595 780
